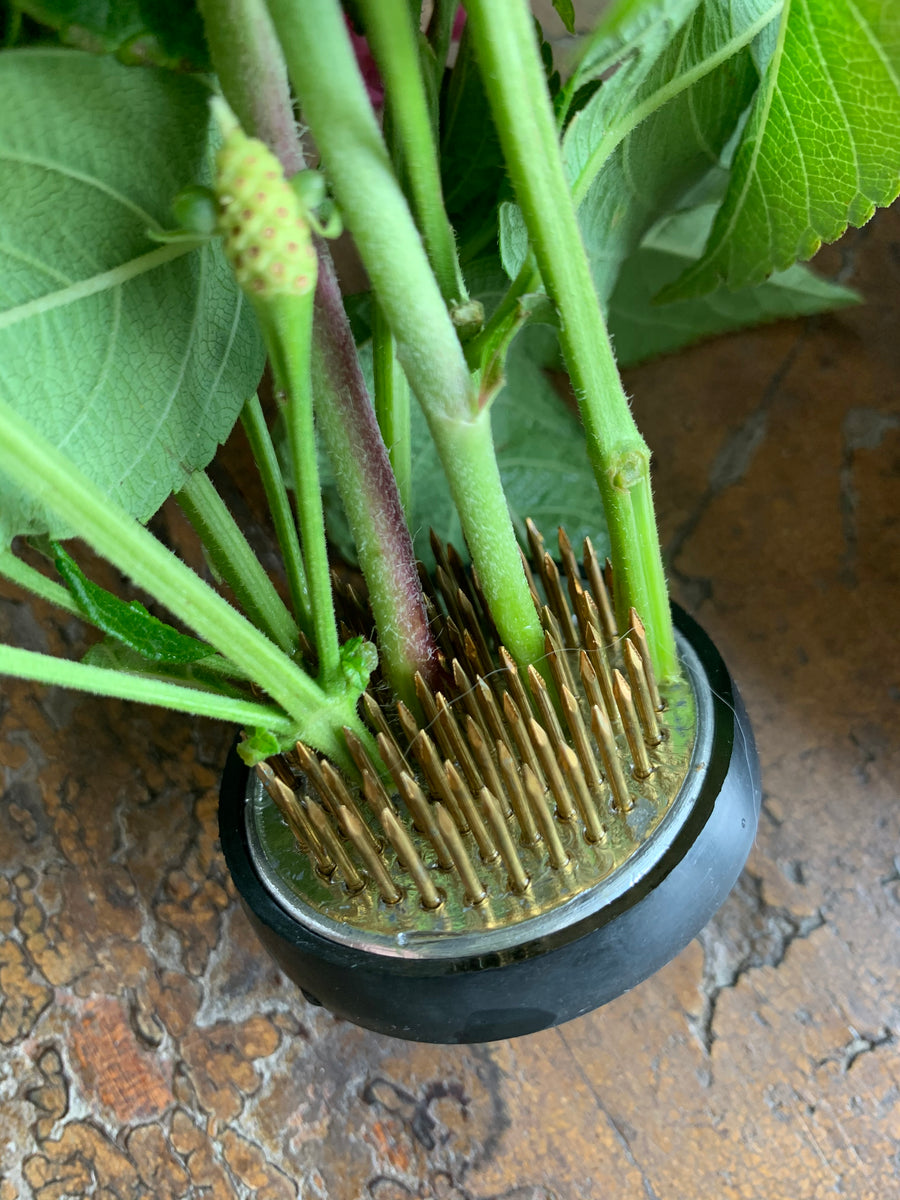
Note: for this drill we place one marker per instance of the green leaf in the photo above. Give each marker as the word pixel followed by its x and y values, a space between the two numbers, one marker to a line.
pixel 127 622
pixel 821 149
pixel 166 33
pixel 566 12
pixel 132 358
pixel 258 745
pixel 642 329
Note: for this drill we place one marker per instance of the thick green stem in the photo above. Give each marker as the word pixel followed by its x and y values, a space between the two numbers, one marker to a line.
pixel 102 681
pixel 488 531
pixel 32 580
pixel 45 474
pixel 232 558
pixel 392 406
pixel 263 451
pixel 393 40
pixel 335 105
pixel 516 86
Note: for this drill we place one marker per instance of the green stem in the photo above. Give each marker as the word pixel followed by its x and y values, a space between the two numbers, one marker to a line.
pixel 288 326
pixel 516 87
pixel 263 451
pixel 488 531
pixel 440 33
pixel 232 559
pixel 392 406
pixel 102 681
pixel 32 580
pixel 335 105
pixel 393 40
pixel 45 474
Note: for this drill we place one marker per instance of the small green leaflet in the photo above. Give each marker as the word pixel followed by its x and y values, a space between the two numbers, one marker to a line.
pixel 642 329
pixel 132 358
pixel 821 149
pixel 566 11
pixel 129 623
pixel 257 746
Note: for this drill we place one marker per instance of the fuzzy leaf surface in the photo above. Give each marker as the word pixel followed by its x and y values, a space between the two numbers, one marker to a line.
pixel 133 358
pixel 821 149
pixel 642 329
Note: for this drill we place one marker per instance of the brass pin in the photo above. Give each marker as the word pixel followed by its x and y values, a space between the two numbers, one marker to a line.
pixel 312 768
pixel 387 889
pixel 303 830
pixel 282 768
pixel 564 806
pixel 580 740
pixel 425 752
pixel 340 795
pixel 439 550
pixel 518 725
pixel 641 689
pixel 642 767
pixel 612 765
pixel 463 798
pixel 452 743
pixel 487 771
pixel 474 629
pixel 559 605
pixel 391 757
pixel 360 756
pixel 514 791
pixel 455 638
pixel 593 830
pixel 479 665
pixel 491 712
pixel 589 682
pixel 330 839
pixel 474 889
pixel 408 723
pixel 570 565
pixel 514 682
pixel 466 691
pixel 409 859
pixel 544 819
pixel 600 662
pixel 486 620
pixel 535 543
pixel 559 662
pixel 284 800
pixel 638 634
pixel 518 876
pixel 597 586
pixel 547 712
pixel 425 698
pixel 424 819
pixel 375 794
pixel 448 591
pixel 379 722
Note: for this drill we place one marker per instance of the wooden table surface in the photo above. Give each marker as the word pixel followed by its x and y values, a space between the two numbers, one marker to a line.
pixel 149 1049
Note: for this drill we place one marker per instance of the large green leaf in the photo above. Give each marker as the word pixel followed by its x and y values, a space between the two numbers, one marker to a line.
pixel 655 128
pixel 133 358
pixel 821 149
pixel 642 329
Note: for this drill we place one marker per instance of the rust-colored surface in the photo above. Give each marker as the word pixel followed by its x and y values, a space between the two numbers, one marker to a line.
pixel 150 1050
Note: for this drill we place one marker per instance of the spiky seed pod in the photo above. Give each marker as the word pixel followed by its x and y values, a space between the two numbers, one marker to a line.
pixel 263 222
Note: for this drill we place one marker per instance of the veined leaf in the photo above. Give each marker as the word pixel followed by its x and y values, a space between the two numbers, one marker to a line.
pixel 133 358
pixel 642 329
pixel 821 149
pixel 128 623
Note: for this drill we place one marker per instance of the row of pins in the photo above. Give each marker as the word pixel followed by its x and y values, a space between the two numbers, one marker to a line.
pixel 501 775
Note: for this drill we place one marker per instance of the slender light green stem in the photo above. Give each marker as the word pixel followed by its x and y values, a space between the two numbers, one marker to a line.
pixel 516 86
pixel 263 451
pixel 45 474
pixel 39 585
pixel 233 559
pixel 393 40
pixel 335 105
pixel 392 406
pixel 440 32
pixel 103 681
pixel 288 328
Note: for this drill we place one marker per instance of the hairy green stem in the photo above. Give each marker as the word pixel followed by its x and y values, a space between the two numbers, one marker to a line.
pixel 234 561
pixel 516 87
pixel 290 346
pixel 393 40
pixel 263 451
pixel 392 406
pixel 103 681
pixel 45 474
pixel 32 580
pixel 334 102
pixel 244 49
